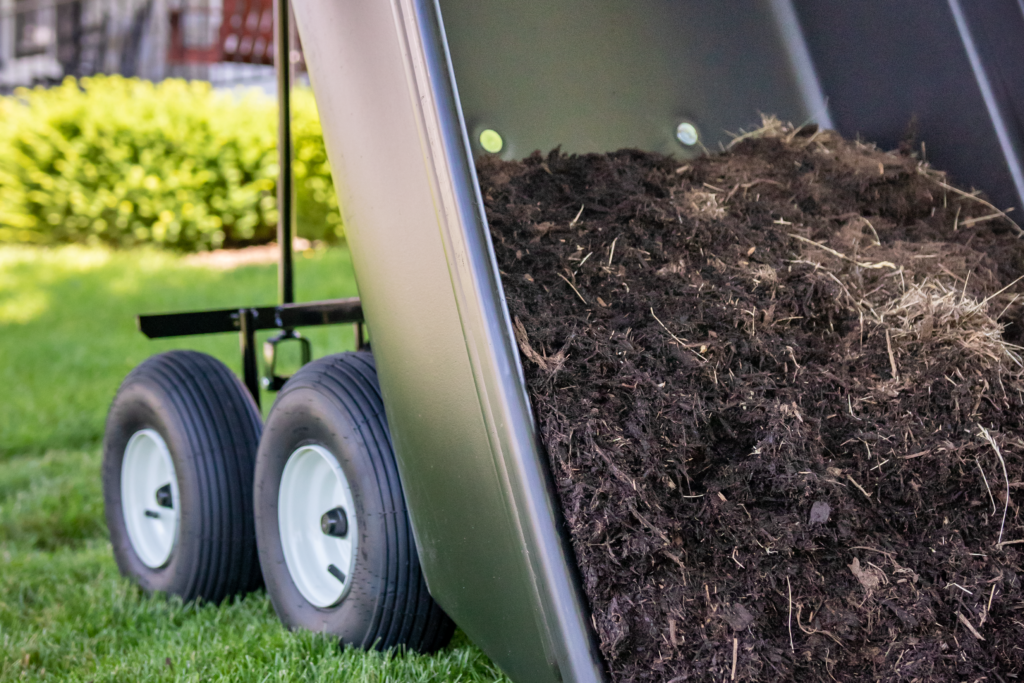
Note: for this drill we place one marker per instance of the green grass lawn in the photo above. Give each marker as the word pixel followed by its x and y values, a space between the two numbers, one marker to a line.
pixel 67 338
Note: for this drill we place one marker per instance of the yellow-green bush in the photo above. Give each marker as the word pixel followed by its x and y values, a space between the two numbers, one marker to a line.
pixel 179 164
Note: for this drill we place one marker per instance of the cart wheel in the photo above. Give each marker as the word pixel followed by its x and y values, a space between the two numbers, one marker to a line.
pixel 334 537
pixel 178 457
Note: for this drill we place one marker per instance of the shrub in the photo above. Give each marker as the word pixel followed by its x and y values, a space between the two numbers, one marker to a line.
pixel 179 164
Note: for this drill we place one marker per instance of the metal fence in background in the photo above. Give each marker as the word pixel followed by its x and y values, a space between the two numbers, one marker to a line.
pixel 227 42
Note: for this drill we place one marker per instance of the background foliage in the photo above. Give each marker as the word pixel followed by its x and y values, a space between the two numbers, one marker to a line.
pixel 179 164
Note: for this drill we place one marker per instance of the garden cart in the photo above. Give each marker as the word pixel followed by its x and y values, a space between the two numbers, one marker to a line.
pixel 392 493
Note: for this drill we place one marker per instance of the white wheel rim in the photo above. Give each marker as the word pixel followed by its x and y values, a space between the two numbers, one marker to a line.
pixel 312 484
pixel 145 469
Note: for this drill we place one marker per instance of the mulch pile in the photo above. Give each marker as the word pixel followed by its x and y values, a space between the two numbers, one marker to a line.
pixel 781 395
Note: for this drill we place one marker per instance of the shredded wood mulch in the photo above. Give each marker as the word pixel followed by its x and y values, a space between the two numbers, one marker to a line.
pixel 782 398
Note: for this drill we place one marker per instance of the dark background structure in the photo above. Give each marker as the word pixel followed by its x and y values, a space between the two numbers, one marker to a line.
pixel 226 42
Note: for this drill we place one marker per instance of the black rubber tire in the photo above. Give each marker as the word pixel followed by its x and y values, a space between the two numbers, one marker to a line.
pixel 335 402
pixel 212 428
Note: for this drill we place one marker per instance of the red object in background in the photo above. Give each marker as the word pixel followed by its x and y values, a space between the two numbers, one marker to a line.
pixel 193 38
pixel 247 32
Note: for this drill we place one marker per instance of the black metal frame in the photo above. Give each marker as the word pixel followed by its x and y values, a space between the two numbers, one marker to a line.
pixel 288 315
pixel 246 321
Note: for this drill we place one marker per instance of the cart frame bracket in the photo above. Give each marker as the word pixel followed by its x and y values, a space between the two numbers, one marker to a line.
pixel 246 321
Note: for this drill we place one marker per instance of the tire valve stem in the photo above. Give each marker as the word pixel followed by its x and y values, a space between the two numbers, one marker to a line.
pixel 335 523
pixel 153 513
pixel 336 573
pixel 163 497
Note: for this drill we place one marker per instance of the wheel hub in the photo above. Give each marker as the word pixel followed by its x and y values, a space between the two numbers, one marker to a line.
pixel 335 523
pixel 317 524
pixel 149 487
pixel 163 496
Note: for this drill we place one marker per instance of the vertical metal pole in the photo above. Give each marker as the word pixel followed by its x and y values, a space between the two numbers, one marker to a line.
pixel 283 66
pixel 247 340
pixel 357 332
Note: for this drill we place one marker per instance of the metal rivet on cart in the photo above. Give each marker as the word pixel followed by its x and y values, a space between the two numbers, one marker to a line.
pixel 491 141
pixel 687 134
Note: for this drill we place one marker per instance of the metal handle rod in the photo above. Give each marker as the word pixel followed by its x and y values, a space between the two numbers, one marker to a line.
pixel 282 64
pixel 247 340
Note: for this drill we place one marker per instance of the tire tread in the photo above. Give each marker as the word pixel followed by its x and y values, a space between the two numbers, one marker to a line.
pixel 221 426
pixel 406 614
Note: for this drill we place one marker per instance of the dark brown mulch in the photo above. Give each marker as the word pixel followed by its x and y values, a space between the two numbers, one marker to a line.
pixel 756 486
